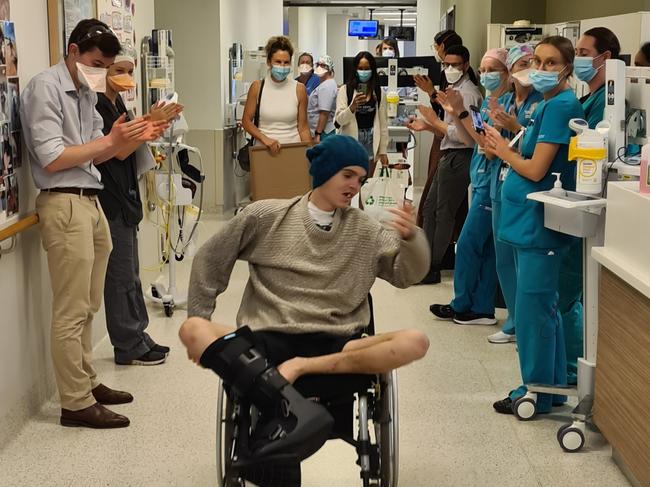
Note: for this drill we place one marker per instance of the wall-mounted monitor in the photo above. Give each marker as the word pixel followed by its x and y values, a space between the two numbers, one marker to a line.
pixel 363 28
pixel 402 33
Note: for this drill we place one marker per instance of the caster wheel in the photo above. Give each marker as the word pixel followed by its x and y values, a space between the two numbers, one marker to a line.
pixel 179 258
pixel 524 408
pixel 155 293
pixel 169 310
pixel 571 439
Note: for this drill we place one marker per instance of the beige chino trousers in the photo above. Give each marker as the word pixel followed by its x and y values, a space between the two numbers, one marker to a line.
pixel 77 240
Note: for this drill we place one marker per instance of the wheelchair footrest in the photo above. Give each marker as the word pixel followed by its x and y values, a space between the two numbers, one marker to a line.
pixel 272 471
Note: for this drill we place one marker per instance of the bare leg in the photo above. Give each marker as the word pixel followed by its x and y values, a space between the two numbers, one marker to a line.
pixel 370 355
pixel 197 334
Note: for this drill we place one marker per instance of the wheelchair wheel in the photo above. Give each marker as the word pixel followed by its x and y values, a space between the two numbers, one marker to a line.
pixel 224 435
pixel 389 431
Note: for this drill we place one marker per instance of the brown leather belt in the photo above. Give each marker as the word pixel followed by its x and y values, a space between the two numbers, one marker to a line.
pixel 79 191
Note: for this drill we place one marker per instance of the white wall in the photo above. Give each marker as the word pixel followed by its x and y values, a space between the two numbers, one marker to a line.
pixel 26 377
pixel 428 25
pixel 337 35
pixel 312 30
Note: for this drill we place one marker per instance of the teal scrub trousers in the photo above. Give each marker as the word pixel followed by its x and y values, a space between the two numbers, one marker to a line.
pixel 506 270
pixel 571 307
pixel 475 275
pixel 538 323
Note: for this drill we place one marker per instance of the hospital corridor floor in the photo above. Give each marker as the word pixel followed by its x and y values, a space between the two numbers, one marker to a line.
pixel 449 433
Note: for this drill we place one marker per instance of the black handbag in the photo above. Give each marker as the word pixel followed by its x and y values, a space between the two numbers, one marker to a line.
pixel 243 156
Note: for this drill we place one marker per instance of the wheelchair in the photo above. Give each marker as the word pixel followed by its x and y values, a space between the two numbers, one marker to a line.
pixel 376 402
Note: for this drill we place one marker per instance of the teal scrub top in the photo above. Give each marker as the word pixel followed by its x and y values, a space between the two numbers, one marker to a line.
pixel 594 107
pixel 480 169
pixel 523 113
pixel 522 220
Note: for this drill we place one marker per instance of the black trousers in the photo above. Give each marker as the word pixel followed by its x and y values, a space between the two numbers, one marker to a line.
pixel 445 197
pixel 126 312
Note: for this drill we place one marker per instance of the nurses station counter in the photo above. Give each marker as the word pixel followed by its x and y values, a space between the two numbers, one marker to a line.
pixel 622 391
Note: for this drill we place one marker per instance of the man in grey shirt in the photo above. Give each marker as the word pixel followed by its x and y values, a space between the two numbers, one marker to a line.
pixel 451 180
pixel 63 133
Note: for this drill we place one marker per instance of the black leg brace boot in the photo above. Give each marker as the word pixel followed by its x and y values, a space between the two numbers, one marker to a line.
pixel 290 423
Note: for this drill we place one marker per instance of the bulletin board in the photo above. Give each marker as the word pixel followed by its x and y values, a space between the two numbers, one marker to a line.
pixel 11 153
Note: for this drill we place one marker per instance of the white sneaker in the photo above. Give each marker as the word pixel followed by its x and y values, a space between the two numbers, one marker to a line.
pixel 500 337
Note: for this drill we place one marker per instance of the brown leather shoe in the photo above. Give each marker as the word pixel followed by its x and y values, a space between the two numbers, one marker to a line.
pixel 95 416
pixel 106 395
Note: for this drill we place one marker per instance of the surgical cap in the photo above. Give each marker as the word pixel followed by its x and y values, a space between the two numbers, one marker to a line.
pixel 517 52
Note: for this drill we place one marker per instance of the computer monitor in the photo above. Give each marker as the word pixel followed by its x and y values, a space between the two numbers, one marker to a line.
pixel 362 28
pixel 402 33
pixel 403 79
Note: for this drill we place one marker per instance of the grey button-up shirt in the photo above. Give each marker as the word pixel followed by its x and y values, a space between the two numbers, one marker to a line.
pixel 54 115
pixel 471 96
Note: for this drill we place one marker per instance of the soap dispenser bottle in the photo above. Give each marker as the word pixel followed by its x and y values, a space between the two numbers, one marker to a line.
pixel 557 189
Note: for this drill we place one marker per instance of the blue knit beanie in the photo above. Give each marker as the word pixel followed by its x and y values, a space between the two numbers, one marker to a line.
pixel 333 154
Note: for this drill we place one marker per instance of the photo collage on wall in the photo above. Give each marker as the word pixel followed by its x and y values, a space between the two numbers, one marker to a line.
pixel 10 135
pixel 119 16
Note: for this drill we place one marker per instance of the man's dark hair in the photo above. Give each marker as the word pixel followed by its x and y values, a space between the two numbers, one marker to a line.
pixel 606 40
pixel 92 33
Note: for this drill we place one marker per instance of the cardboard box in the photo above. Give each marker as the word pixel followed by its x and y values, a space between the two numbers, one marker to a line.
pixel 283 176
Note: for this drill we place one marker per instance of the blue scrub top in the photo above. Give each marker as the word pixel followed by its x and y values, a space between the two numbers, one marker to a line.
pixel 312 83
pixel 522 220
pixel 594 107
pixel 523 113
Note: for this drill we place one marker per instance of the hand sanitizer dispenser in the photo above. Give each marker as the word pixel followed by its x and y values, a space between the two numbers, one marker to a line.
pixel 589 149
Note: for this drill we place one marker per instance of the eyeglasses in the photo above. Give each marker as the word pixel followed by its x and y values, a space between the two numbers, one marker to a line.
pixel 547 64
pixel 453 65
pixel 96 31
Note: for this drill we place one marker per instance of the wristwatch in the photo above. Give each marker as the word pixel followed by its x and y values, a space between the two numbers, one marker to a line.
pixel 463 114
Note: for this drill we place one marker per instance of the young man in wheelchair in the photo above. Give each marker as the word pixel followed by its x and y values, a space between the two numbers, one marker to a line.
pixel 312 262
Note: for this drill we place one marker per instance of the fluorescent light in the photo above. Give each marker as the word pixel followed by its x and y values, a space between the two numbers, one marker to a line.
pixel 382 14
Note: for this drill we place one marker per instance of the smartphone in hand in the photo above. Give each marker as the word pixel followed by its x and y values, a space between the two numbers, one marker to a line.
pixel 477 120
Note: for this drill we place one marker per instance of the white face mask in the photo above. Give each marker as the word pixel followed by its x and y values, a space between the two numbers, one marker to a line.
pixel 92 78
pixel 387 53
pixel 304 69
pixel 522 77
pixel 320 71
pixel 453 74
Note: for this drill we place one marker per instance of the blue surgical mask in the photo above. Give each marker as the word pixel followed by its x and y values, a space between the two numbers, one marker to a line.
pixel 364 75
pixel 280 73
pixel 491 81
pixel 544 81
pixel 583 67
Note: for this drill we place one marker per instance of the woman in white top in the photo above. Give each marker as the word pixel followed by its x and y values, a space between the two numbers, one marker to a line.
pixel 361 110
pixel 283 106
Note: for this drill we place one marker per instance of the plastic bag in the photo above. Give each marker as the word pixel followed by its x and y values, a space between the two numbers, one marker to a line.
pixel 379 194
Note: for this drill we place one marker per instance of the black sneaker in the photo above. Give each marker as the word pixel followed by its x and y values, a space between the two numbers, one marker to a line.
pixel 150 358
pixel 442 311
pixel 160 349
pixel 470 318
pixel 504 406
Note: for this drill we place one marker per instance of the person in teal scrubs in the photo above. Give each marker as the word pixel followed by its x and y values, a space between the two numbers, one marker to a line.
pixel 593 48
pixel 512 116
pixel 475 276
pixel 539 250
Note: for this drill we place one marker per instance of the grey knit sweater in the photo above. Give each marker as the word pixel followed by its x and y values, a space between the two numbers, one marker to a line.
pixel 304 279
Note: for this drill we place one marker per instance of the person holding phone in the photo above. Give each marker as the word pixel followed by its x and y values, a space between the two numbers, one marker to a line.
pixel 475 276
pixel 449 187
pixel 539 251
pixel 361 110
pixel 511 117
